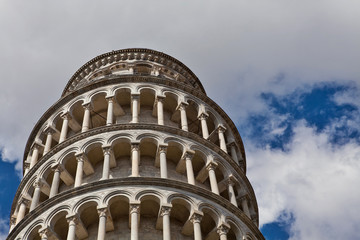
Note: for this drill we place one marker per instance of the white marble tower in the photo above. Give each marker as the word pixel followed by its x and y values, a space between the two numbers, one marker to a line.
pixel 134 149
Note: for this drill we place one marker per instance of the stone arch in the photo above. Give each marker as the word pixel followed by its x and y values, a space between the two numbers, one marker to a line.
pixel 32 233
pixel 98 108
pixel 210 221
pixel 235 230
pixel 57 221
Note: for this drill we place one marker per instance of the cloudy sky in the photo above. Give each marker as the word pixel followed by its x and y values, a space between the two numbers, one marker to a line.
pixel 286 72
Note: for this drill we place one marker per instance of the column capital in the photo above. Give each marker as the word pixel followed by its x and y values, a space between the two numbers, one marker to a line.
pixel 49 130
pixel 211 166
pixel 165 210
pixel 244 197
pixel 135 95
pixel 102 211
pixel 182 106
pixel 110 98
pixel 26 165
pixel 188 154
pixel 57 167
pixel 80 156
pixel 44 232
pixel 134 207
pixel 36 145
pixel 107 149
pixel 163 148
pixel 25 201
pixel 135 146
pixel 231 180
pixel 38 183
pixel 231 144
pixel 66 115
pixel 160 97
pixel 222 229
pixel 12 220
pixel 203 116
pixel 87 105
pixel 196 217
pixel 74 218
pixel 221 128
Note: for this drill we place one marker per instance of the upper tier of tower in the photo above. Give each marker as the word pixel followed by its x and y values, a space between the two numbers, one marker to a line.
pixel 132 61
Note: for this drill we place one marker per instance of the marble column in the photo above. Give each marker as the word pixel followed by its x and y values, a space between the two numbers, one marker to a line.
pixel 135 159
pixel 196 219
pixel 212 177
pixel 35 154
pixel 110 111
pixel 231 192
pixel 160 109
pixel 222 141
pixel 135 107
pixel 163 163
pixel 49 135
pixel 183 117
pixel 36 195
pixel 204 127
pixel 189 168
pixel 106 165
pixel 79 169
pixel 72 221
pixel 102 223
pixel 56 180
pixel 65 125
pixel 222 230
pixel 134 215
pixel 245 206
pixel 165 213
pixel 233 152
pixel 22 209
pixel 87 117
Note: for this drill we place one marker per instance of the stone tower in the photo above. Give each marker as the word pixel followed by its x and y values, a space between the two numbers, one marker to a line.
pixel 134 149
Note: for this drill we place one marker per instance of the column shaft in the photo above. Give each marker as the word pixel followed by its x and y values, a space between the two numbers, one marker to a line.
pixel 79 172
pixel 231 193
pixel 72 230
pixel 36 197
pixel 21 212
pixel 110 111
pixel 64 129
pixel 166 227
pixel 55 183
pixel 102 226
pixel 86 119
pixel 233 154
pixel 134 211
pixel 189 170
pixel 222 139
pixel 213 181
pixel 163 164
pixel 48 143
pixel 183 118
pixel 204 127
pixel 34 156
pixel 135 106
pixel 160 111
pixel 245 206
pixel 135 161
pixel 106 166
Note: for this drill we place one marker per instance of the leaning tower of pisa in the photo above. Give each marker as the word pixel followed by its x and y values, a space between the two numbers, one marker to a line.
pixel 134 149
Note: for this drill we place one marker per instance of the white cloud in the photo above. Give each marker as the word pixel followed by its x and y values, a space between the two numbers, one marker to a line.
pixel 315 181
pixel 4 229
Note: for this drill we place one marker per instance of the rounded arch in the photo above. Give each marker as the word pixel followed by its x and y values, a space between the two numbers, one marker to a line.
pixel 118 193
pixel 92 143
pixel 82 203
pixel 32 233
pixel 211 210
pixel 234 227
pixel 98 92
pixel 54 214
pixel 150 194
pixel 67 153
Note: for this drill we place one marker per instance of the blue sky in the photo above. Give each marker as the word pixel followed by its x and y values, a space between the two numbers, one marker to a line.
pixel 286 72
